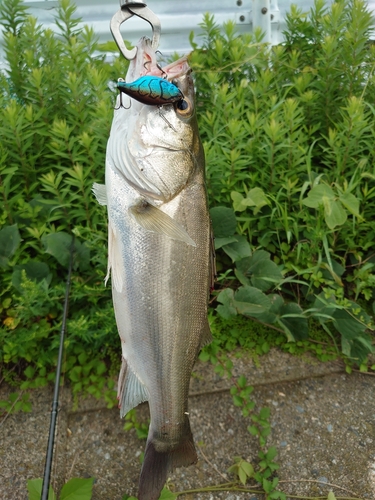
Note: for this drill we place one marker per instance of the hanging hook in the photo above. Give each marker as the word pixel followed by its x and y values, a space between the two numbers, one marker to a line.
pixel 128 9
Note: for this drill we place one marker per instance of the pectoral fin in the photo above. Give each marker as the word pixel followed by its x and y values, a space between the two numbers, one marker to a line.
pixel 115 262
pixel 100 193
pixel 155 220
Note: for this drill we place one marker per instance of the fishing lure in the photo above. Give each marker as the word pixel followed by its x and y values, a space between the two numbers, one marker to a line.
pixel 151 90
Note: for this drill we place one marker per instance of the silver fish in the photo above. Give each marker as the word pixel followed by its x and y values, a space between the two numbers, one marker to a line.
pixel 159 254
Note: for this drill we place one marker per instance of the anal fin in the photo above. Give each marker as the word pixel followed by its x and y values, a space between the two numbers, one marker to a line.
pixel 131 392
pixel 206 337
pixel 213 274
pixel 157 221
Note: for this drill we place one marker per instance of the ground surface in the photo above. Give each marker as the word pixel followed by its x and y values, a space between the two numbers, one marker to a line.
pixel 323 425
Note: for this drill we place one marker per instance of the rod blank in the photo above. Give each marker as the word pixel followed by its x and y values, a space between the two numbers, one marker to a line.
pixel 55 403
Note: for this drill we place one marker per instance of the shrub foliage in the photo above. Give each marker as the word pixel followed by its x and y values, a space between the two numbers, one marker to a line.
pixel 289 138
pixel 56 111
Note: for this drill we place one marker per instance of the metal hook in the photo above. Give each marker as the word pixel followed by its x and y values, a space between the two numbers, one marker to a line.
pixel 128 9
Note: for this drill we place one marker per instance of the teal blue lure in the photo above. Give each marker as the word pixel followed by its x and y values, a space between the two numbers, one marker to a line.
pixel 151 90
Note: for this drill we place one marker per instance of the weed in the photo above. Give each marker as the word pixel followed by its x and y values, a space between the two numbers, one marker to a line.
pixel 74 489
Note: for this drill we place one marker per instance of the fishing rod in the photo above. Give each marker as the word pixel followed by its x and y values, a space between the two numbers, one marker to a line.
pixel 55 403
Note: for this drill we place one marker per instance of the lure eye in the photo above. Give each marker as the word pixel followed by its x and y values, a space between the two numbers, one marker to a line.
pixel 184 107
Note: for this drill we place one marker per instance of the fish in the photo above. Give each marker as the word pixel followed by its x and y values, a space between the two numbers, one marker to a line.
pixel 160 252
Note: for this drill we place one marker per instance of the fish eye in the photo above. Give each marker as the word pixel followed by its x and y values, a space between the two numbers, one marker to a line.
pixel 184 107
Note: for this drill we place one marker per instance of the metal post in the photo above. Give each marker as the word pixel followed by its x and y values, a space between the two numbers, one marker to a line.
pixel 262 18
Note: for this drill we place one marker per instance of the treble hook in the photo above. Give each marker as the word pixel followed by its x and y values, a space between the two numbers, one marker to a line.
pixel 128 9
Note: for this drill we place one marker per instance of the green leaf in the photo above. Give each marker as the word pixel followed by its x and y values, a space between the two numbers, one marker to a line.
pixel 109 46
pixel 274 495
pixel 100 368
pixel 267 485
pixel 167 495
pixel 10 240
pixel 238 249
pixel 272 451
pixel 323 309
pixel 334 213
pixel 238 201
pixel 256 198
pixel 81 255
pixel 227 310
pixel 248 468
pixel 242 475
pixel 77 489
pixel 351 203
pixel 254 431
pixel 224 221
pixel 251 301
pixel 263 272
pixel 242 278
pixel 35 271
pixel 270 316
pixel 331 496
pixel 220 242
pixel 237 401
pixel 346 347
pixel 59 245
pixel 317 194
pixel 34 487
pixel 352 321
pixel 29 371
pixel 242 381
pixel 293 322
pixel 265 413
pixel 276 303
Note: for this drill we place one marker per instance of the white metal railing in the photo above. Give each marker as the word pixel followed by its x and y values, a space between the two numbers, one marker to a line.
pixel 178 18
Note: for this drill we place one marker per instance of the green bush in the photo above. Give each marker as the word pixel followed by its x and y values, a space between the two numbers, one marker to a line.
pixel 55 117
pixel 289 139
pixel 288 133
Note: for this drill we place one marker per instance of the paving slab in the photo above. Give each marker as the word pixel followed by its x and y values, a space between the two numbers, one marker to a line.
pixel 23 444
pixel 323 425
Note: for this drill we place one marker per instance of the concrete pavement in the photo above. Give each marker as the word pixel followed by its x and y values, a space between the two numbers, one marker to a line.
pixel 323 425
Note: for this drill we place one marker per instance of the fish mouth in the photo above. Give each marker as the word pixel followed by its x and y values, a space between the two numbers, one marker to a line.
pixel 147 62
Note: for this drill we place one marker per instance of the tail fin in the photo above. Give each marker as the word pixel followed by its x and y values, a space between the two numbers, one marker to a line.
pixel 157 464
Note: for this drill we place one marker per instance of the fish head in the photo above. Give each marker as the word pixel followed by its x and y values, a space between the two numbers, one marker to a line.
pixel 160 145
pixel 172 127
